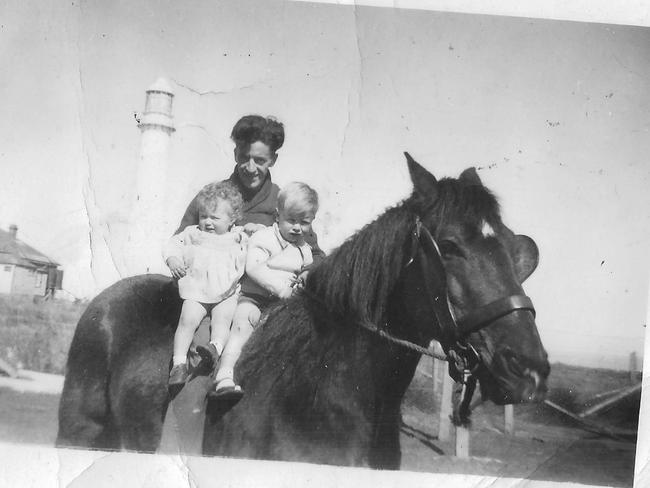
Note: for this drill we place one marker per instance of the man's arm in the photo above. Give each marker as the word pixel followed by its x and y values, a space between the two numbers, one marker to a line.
pixel 317 253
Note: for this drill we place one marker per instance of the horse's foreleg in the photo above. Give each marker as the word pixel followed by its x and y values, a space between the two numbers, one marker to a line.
pixel 385 450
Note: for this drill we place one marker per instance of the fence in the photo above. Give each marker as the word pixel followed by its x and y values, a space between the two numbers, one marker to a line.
pixel 443 387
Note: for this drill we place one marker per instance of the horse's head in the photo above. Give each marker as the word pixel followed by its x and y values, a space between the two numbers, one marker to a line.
pixel 461 249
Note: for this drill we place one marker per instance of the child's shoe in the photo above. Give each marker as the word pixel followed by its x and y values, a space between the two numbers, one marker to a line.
pixel 227 391
pixel 178 375
pixel 209 355
pixel 222 398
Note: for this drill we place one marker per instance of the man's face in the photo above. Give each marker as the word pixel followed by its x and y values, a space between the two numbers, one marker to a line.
pixel 253 163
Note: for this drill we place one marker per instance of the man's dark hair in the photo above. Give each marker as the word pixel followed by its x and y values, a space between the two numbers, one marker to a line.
pixel 253 128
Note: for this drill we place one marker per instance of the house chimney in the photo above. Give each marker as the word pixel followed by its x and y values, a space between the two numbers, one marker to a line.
pixel 13 230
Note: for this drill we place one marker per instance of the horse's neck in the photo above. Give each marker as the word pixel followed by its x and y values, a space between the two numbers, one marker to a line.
pixel 393 364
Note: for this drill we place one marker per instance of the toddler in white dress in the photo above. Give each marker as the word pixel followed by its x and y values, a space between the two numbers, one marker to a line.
pixel 208 260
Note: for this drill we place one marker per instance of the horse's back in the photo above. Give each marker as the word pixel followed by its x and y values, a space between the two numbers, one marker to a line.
pixel 115 369
pixel 298 403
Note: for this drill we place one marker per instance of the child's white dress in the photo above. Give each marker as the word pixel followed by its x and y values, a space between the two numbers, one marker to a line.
pixel 214 262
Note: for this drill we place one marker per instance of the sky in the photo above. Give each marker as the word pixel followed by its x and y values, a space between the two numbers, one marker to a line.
pixel 554 114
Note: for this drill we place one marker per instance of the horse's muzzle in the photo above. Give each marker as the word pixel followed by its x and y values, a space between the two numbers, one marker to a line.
pixel 516 379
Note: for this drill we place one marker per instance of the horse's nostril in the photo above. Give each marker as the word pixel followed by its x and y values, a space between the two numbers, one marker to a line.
pixel 516 367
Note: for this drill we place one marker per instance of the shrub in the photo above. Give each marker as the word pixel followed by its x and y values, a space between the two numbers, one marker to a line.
pixel 36 334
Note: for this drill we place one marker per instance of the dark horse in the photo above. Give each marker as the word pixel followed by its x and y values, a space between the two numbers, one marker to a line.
pixel 320 385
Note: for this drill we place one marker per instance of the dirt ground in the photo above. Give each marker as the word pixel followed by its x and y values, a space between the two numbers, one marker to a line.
pixel 536 451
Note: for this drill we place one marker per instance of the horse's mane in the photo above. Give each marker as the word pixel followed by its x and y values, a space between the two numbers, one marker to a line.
pixel 356 280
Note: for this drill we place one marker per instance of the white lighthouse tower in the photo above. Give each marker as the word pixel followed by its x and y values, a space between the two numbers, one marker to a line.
pixel 147 219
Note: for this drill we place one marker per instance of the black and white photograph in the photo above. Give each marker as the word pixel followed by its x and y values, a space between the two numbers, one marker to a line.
pixel 290 243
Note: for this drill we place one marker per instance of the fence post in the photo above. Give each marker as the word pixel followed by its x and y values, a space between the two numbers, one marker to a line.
pixel 436 388
pixel 436 377
pixel 462 442
pixel 509 417
pixel 444 426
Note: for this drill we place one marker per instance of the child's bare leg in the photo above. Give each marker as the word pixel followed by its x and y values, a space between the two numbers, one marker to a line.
pixel 222 316
pixel 247 314
pixel 191 315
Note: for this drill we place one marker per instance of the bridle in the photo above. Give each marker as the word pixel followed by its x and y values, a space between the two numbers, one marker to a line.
pixel 463 358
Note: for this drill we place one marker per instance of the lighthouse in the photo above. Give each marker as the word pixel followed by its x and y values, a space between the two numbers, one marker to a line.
pixel 147 219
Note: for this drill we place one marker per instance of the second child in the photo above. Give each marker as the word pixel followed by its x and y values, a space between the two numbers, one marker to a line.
pixel 277 261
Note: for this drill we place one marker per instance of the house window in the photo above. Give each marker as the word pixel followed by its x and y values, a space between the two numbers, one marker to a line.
pixel 38 282
pixel 7 269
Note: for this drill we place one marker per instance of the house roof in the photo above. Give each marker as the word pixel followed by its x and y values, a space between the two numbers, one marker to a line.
pixel 15 251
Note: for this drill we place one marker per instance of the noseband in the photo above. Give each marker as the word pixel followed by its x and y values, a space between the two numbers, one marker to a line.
pixel 454 332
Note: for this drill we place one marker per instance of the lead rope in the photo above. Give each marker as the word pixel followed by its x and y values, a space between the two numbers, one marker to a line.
pixel 463 389
pixel 404 343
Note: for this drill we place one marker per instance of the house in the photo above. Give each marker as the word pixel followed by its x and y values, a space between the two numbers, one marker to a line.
pixel 23 269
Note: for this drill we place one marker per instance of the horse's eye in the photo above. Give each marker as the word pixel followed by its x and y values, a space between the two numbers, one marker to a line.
pixel 449 248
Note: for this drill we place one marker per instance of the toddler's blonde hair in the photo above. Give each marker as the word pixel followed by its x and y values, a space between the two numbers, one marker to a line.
pixel 298 196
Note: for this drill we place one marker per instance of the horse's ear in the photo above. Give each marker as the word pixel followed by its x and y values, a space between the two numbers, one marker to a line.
pixel 424 183
pixel 526 257
pixel 470 176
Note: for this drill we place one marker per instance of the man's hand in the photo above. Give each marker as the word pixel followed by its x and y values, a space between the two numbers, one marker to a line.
pixel 251 228
pixel 177 267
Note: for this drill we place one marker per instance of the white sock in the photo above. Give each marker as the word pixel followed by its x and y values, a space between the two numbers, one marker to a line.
pixel 224 374
pixel 225 383
pixel 176 360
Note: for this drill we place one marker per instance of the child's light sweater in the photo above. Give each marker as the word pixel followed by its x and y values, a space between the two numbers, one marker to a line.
pixel 214 262
pixel 270 277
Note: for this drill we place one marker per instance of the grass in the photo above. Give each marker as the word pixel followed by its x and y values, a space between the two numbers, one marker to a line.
pixel 36 334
